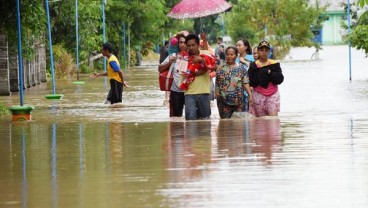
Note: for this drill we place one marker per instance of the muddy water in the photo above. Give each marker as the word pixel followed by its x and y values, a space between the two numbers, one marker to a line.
pixel 77 152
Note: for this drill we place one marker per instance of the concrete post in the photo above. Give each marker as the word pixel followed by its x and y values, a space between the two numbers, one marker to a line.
pixel 42 62
pixel 4 66
pixel 13 72
pixel 26 74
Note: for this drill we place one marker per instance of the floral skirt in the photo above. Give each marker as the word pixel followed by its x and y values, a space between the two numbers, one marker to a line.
pixel 225 110
pixel 265 105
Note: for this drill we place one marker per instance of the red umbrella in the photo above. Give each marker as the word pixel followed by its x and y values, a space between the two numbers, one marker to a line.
pixel 197 8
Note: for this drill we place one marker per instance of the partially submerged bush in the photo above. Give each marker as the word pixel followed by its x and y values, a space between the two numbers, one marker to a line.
pixel 3 110
pixel 64 63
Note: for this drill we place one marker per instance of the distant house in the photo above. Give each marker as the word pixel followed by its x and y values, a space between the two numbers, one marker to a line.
pixel 332 33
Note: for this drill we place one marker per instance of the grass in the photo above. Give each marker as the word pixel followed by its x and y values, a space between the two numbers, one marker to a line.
pixel 152 56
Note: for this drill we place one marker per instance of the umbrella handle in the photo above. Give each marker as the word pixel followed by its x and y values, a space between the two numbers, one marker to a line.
pixel 201 25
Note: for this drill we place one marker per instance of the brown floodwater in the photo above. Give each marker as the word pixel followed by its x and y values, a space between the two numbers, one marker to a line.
pixel 78 152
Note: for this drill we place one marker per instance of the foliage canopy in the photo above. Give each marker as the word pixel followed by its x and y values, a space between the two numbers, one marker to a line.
pixel 147 25
pixel 276 21
pixel 33 21
pixel 359 30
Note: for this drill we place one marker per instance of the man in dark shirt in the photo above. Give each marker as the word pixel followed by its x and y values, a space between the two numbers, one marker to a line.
pixel 164 51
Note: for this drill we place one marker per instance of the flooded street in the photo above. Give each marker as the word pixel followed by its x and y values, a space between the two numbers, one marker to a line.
pixel 78 152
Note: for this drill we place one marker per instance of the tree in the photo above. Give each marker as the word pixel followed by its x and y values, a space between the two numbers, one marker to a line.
pixel 33 24
pixel 359 30
pixel 172 26
pixel 274 20
pixel 210 25
pixel 142 19
pixel 64 26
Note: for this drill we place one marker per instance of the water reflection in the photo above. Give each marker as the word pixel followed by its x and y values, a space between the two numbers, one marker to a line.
pixel 24 171
pixel 81 150
pixel 107 145
pixel 115 161
pixel 252 140
pixel 114 145
pixel 53 108
pixel 352 131
pixel 189 148
pixel 233 138
pixel 54 182
pixel 175 164
pixel 266 135
pixel 198 151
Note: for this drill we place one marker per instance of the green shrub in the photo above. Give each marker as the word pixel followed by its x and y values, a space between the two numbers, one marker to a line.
pixel 359 38
pixel 64 63
pixel 85 69
pixel 4 110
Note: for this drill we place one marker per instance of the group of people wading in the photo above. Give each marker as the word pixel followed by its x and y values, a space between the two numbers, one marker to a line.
pixel 245 81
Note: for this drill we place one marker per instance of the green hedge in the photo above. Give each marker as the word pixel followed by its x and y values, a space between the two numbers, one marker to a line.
pixel 3 110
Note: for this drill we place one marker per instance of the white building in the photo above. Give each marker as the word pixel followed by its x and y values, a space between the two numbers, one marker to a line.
pixel 332 33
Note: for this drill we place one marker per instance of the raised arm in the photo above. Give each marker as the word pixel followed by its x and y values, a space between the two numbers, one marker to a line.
pixel 165 65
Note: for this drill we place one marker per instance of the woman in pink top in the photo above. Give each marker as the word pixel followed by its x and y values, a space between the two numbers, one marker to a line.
pixel 264 76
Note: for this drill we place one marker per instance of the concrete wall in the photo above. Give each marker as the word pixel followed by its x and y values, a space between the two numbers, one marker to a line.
pixel 41 60
pixel 34 70
pixel 4 66
pixel 13 72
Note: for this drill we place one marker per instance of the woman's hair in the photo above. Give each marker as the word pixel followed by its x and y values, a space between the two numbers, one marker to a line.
pixel 192 36
pixel 180 35
pixel 246 43
pixel 174 48
pixel 232 47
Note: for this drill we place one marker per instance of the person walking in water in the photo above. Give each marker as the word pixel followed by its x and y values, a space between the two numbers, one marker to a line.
pixel 231 84
pixel 196 82
pixel 114 74
pixel 245 57
pixel 264 76
pixel 179 62
pixel 245 52
pixel 164 52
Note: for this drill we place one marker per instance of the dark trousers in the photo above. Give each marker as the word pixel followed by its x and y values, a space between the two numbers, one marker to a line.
pixel 116 92
pixel 177 101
